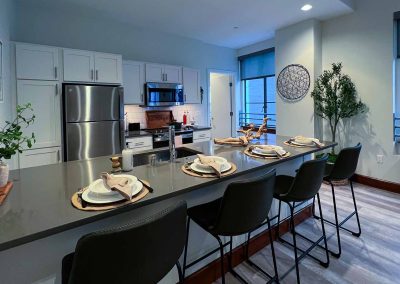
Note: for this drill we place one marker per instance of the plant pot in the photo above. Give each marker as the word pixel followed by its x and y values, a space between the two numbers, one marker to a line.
pixel 4 173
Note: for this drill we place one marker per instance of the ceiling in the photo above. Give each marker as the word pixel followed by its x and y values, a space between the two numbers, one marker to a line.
pixel 211 21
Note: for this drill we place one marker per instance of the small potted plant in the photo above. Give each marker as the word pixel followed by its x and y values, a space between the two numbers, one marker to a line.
pixel 12 139
pixel 335 98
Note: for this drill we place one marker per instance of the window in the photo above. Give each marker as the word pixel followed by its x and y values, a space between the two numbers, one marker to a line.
pixel 257 73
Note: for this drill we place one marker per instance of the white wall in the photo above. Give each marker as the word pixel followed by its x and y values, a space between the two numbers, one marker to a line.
pixel 297 44
pixel 363 41
pixel 85 30
pixel 256 47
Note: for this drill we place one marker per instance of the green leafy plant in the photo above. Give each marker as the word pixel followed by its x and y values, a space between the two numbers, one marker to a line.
pixel 12 139
pixel 335 98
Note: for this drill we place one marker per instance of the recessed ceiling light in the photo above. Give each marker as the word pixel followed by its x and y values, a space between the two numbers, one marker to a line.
pixel 306 7
pixel 235 28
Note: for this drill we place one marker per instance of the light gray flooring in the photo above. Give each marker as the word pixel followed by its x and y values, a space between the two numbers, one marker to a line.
pixel 372 258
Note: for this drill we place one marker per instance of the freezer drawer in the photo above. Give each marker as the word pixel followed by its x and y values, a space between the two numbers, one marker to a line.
pixel 93 139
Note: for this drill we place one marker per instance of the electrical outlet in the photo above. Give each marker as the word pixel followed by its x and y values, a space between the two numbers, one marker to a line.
pixel 379 159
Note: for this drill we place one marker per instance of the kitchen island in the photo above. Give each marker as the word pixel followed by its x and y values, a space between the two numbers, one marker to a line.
pixel 38 224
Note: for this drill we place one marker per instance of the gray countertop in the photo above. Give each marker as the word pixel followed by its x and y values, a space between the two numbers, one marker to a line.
pixel 39 204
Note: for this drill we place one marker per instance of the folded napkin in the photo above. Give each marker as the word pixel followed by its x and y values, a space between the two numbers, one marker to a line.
pixel 209 161
pixel 119 184
pixel 314 140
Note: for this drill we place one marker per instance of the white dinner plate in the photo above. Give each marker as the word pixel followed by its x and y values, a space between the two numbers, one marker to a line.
pixel 301 144
pixel 94 198
pixel 98 187
pixel 224 168
pixel 261 153
pixel 217 159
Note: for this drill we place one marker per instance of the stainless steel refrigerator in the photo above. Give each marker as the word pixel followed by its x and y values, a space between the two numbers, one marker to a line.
pixel 93 121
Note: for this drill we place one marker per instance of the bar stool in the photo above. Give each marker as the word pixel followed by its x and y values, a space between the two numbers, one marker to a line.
pixel 300 189
pixel 142 252
pixel 243 207
pixel 344 168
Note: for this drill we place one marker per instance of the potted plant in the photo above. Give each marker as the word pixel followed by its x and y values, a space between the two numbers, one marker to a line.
pixel 12 139
pixel 335 98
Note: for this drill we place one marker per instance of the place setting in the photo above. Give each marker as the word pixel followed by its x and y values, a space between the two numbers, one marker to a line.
pixel 266 152
pixel 209 167
pixel 110 191
pixel 304 142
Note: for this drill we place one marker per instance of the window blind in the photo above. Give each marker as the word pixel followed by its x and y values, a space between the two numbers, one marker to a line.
pixel 259 64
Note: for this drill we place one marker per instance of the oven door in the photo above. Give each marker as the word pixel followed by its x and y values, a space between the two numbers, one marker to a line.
pixel 164 94
pixel 186 137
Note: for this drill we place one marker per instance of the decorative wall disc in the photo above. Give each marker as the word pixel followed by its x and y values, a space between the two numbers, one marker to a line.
pixel 293 82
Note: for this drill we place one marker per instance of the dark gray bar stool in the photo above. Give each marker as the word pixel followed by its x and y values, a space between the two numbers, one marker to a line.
pixel 244 206
pixel 344 168
pixel 142 252
pixel 295 191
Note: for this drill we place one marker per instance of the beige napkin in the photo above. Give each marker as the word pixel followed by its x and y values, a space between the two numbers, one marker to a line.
pixel 119 184
pixel 279 152
pixel 209 161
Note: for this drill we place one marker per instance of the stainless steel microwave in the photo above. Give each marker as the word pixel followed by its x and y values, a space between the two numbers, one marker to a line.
pixel 164 94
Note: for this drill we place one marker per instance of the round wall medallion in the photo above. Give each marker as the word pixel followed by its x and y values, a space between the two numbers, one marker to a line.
pixel 293 82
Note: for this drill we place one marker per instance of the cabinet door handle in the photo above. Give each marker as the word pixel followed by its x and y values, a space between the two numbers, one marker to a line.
pixel 97 75
pixel 185 97
pixel 166 77
pixel 163 77
pixel 58 156
pixel 55 72
pixel 91 75
pixel 56 89
pixel 141 98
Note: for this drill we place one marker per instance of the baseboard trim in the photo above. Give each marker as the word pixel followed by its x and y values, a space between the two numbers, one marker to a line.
pixel 212 271
pixel 378 183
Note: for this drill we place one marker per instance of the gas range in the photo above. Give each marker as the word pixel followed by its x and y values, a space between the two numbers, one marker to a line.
pixel 161 136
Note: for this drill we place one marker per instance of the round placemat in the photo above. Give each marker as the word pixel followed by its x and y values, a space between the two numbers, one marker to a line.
pixel 195 174
pixel 76 201
pixel 248 153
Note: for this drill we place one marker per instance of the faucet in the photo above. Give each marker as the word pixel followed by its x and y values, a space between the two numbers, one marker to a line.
pixel 172 152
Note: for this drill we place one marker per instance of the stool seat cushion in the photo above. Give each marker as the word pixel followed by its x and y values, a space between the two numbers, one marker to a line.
pixel 205 215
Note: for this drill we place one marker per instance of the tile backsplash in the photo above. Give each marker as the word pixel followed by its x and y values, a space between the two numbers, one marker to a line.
pixel 137 113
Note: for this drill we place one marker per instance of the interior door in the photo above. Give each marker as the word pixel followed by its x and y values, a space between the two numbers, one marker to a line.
pixel 221 105
pixel 45 99
pixel 78 65
pixel 108 68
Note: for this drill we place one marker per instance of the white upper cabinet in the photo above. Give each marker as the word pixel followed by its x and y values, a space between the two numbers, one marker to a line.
pixel 173 74
pixel 37 62
pixel 78 65
pixel 45 99
pixel 154 73
pixel 89 66
pixel 191 85
pixel 163 73
pixel 133 81
pixel 108 68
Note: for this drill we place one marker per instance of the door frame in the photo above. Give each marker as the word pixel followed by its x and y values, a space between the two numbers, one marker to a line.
pixel 234 82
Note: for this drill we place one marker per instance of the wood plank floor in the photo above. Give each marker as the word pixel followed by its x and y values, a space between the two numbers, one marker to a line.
pixel 374 257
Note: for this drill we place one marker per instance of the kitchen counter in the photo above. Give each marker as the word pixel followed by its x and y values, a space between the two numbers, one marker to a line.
pixel 39 204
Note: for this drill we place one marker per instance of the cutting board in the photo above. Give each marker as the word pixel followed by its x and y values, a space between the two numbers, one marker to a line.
pixel 158 118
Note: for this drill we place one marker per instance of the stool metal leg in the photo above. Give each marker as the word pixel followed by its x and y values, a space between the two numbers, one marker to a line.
pixel 276 277
pixel 294 243
pixel 325 264
pixel 337 223
pixel 357 234
pixel 180 274
pixel 221 250
pixel 186 247
pixel 277 232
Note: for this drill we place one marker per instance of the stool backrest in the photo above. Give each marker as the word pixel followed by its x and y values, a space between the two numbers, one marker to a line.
pixel 245 205
pixel 142 252
pixel 346 163
pixel 308 179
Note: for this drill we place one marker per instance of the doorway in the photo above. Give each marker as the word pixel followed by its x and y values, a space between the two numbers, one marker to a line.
pixel 221 103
